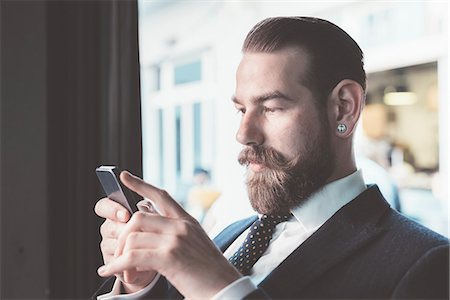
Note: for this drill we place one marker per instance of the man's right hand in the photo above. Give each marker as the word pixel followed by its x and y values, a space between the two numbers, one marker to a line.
pixel 116 216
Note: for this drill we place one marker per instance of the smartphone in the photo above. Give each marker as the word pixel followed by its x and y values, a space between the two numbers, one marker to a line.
pixel 114 189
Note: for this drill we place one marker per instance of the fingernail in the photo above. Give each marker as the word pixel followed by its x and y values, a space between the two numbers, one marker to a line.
pixel 122 215
pixel 101 270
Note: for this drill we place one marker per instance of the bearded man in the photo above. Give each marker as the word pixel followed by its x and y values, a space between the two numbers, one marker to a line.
pixel 320 231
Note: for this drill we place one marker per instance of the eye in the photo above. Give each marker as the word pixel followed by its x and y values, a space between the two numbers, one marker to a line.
pixel 268 109
pixel 240 110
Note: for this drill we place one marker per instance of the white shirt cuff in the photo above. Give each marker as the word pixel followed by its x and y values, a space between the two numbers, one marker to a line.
pixel 115 293
pixel 236 290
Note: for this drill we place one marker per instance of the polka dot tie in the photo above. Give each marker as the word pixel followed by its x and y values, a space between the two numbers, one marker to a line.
pixel 256 242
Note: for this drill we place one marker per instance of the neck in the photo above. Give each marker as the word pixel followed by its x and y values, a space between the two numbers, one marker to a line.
pixel 344 163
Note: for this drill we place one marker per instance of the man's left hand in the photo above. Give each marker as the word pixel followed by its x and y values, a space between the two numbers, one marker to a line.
pixel 173 243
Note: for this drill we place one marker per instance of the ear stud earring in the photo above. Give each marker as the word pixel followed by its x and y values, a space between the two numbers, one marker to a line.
pixel 341 128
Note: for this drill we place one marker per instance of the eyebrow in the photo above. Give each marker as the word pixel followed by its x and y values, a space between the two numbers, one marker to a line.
pixel 265 97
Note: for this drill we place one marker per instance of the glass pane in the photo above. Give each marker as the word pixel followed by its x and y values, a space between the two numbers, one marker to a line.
pixel 178 140
pixel 197 116
pixel 161 145
pixel 189 72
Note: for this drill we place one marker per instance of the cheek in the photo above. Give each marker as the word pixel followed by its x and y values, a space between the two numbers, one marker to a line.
pixel 294 136
pixel 289 140
pixel 296 143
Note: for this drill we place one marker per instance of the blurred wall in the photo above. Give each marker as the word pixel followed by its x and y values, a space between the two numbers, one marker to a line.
pixel 24 205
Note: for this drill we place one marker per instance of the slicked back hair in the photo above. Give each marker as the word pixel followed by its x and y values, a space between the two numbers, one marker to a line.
pixel 332 54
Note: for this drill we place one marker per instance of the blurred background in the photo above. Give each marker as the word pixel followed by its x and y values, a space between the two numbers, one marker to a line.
pixel 146 85
pixel 189 52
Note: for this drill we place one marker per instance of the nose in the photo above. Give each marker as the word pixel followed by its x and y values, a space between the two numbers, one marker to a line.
pixel 250 131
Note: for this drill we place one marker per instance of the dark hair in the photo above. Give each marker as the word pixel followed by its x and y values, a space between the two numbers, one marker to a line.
pixel 333 54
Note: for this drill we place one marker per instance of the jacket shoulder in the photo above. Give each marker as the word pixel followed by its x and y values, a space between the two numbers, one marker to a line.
pixel 409 232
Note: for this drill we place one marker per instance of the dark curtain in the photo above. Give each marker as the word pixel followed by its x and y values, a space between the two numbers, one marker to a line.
pixel 93 115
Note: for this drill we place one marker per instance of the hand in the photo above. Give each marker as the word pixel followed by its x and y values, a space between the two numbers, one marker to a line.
pixel 173 243
pixel 116 218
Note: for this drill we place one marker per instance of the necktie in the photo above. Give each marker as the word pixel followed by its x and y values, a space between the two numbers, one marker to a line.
pixel 256 242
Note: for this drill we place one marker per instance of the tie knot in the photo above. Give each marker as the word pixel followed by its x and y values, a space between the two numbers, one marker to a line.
pixel 275 219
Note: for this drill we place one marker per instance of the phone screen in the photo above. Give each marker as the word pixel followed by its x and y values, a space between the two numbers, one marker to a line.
pixel 114 189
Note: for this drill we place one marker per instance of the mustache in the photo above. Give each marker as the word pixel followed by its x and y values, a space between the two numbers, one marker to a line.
pixel 266 156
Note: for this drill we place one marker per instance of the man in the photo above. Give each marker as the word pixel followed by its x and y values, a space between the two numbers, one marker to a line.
pixel 321 233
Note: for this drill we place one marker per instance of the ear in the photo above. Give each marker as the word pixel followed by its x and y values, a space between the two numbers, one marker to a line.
pixel 346 103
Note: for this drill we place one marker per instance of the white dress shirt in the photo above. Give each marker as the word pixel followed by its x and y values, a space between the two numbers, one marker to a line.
pixel 287 236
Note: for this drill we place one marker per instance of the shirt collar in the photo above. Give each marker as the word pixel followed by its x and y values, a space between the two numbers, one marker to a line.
pixel 324 203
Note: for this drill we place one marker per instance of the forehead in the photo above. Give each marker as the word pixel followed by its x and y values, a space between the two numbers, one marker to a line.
pixel 282 70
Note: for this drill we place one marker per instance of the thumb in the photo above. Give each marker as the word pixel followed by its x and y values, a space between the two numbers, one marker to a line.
pixel 164 203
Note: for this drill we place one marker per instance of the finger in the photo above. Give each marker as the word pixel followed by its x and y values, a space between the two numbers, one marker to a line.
pixel 109 209
pixel 135 260
pixel 108 247
pixel 144 240
pixel 166 205
pixel 111 229
pixel 146 222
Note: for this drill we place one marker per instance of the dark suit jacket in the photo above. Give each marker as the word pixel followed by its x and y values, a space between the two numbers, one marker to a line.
pixel 366 250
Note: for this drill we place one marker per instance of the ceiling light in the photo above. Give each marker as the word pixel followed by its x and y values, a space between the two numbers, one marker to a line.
pixel 399 95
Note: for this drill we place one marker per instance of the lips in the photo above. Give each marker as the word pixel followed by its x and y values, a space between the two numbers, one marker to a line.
pixel 256 167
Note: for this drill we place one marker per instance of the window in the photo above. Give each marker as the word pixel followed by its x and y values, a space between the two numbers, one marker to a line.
pixel 189 72
pixel 161 145
pixel 197 114
pixel 174 94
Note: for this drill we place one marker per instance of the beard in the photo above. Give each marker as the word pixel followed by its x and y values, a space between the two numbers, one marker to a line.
pixel 284 184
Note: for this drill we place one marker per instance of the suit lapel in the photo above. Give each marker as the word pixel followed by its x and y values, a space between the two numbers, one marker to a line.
pixel 353 226
pixel 232 232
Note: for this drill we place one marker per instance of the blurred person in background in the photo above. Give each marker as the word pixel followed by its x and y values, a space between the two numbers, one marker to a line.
pixel 201 194
pixel 320 232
